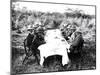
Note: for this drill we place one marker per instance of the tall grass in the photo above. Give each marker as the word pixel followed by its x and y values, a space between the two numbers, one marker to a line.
pixel 84 22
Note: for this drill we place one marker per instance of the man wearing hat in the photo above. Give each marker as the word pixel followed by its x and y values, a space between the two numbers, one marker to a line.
pixel 29 39
pixel 76 40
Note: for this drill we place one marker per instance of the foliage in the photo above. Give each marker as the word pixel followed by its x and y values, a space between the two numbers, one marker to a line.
pixel 84 22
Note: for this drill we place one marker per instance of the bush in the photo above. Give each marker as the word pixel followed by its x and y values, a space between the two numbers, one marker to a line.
pixel 84 22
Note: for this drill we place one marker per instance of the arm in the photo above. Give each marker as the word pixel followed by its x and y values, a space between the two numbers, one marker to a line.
pixel 34 38
pixel 76 40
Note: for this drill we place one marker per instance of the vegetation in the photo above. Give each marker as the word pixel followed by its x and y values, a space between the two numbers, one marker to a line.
pixel 22 19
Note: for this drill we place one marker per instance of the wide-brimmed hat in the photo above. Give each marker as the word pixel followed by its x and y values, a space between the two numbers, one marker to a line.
pixel 72 27
pixel 29 28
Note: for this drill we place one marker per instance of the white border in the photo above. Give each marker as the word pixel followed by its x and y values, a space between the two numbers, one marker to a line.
pixel 5 37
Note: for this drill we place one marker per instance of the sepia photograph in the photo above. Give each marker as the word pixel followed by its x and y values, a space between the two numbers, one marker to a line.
pixel 52 37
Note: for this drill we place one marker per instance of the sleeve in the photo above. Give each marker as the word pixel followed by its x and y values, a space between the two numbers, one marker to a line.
pixel 76 40
pixel 72 37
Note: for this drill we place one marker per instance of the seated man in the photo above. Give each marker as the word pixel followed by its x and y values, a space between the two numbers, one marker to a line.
pixel 75 40
pixel 28 41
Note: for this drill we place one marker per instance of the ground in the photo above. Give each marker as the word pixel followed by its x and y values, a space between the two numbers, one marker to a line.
pixel 87 62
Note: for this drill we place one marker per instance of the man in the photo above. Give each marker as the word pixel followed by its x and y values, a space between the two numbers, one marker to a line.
pixel 30 36
pixel 28 42
pixel 76 40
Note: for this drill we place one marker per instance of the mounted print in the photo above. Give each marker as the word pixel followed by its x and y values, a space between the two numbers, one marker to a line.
pixel 52 37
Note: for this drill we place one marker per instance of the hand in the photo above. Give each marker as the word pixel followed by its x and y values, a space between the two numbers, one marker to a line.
pixel 68 37
pixel 68 51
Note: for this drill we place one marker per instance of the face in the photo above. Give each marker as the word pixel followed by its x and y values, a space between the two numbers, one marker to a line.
pixel 32 31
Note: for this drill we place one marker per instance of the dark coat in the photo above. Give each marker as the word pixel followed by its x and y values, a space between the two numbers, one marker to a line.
pixel 76 42
pixel 31 44
pixel 30 38
pixel 28 42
